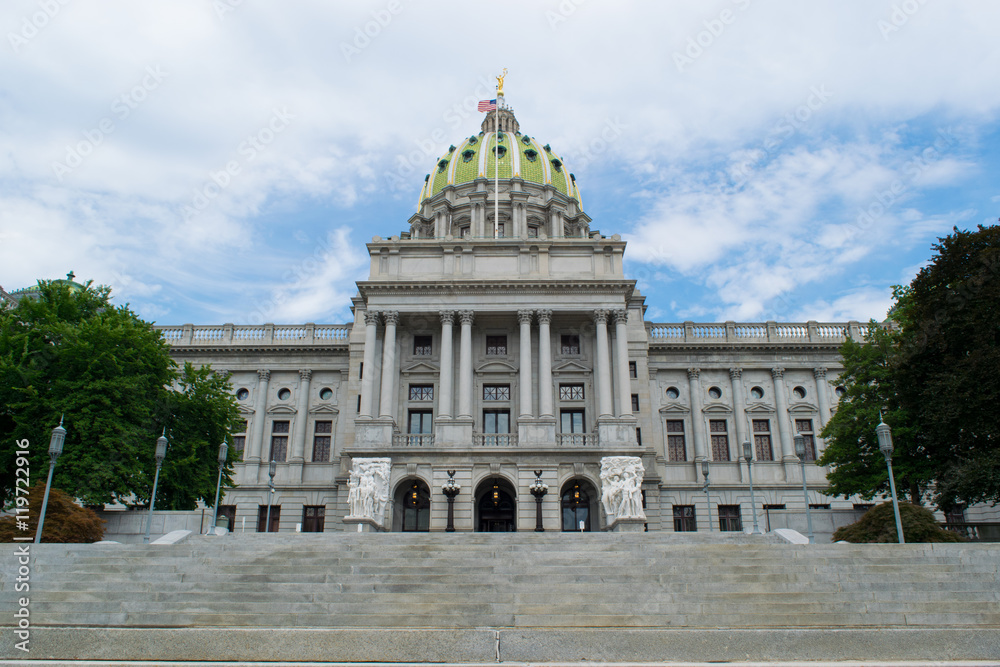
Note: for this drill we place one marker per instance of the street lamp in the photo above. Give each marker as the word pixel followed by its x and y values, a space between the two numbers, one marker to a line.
pixel 161 453
pixel 538 489
pixel 451 489
pixel 55 449
pixel 748 457
pixel 884 434
pixel 708 501
pixel 800 451
pixel 223 454
pixel 271 469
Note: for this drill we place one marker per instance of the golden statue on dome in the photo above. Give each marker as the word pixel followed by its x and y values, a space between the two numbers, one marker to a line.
pixel 500 83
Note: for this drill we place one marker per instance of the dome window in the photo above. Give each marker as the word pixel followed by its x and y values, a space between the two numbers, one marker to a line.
pixel 468 155
pixel 451 149
pixel 526 139
pixel 557 164
pixel 548 149
pixel 473 141
pixel 500 151
pixel 442 165
pixel 532 155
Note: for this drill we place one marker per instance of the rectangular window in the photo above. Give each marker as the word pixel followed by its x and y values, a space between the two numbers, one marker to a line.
pixel 729 518
pixel 322 438
pixel 532 232
pixel 463 232
pixel 496 421
pixel 422 346
pixel 421 392
pixel 675 440
pixel 500 230
pixel 633 372
pixel 570 344
pixel 635 402
pixel 240 440
pixel 228 511
pixel 804 427
pixel 496 345
pixel 684 519
pixel 819 506
pixel 262 518
pixel 421 422
pixel 571 392
pixel 762 439
pixel 572 421
pixel 638 436
pixel 279 441
pixel 863 507
pixel 313 518
pixel 720 439
pixel 361 371
pixel 955 514
pixel 359 404
pixel 496 392
pixel 774 507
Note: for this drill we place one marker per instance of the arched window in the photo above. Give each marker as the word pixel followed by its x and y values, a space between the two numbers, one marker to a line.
pixel 413 506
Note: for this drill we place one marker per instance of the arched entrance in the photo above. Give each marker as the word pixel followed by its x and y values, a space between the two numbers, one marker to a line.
pixel 578 503
pixel 496 507
pixel 412 507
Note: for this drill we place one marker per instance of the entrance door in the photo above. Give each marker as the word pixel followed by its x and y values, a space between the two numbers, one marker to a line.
pixel 496 508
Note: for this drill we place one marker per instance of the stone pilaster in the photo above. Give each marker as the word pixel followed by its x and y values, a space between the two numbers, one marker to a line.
pixel 784 426
pixel 524 319
pixel 621 364
pixel 739 408
pixel 604 404
pixel 301 416
pixel 260 415
pixel 545 364
pixel 447 373
pixel 697 416
pixel 368 367
pixel 466 317
pixel 388 364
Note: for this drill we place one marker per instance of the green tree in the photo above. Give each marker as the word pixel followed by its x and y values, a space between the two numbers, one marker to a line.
pixel 856 464
pixel 71 352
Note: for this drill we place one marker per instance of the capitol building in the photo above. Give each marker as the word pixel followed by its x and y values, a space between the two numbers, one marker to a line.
pixel 499 374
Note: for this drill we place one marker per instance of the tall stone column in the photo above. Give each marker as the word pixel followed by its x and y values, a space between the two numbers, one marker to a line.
pixel 388 363
pixel 465 365
pixel 739 408
pixel 447 374
pixel 697 420
pixel 260 415
pixel 784 426
pixel 604 405
pixel 301 416
pixel 524 319
pixel 368 365
pixel 621 364
pixel 544 364
pixel 822 395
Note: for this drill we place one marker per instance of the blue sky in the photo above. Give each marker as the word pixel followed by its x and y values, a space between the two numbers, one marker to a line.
pixel 225 160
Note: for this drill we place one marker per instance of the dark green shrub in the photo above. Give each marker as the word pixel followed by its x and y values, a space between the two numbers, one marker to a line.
pixel 879 525
pixel 65 521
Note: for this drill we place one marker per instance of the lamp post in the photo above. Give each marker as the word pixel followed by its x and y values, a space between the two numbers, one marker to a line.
pixel 748 457
pixel 450 489
pixel 884 434
pixel 55 449
pixel 223 453
pixel 708 500
pixel 538 490
pixel 161 453
pixel 271 469
pixel 800 451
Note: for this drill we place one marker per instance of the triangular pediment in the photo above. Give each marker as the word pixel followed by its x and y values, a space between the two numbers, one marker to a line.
pixel 494 366
pixel 324 409
pixel 760 408
pixel 571 366
pixel 675 409
pixel 420 367
pixel 281 410
pixel 802 406
pixel 246 411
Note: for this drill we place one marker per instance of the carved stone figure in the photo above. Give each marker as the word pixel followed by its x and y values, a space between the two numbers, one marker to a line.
pixel 621 487
pixel 368 489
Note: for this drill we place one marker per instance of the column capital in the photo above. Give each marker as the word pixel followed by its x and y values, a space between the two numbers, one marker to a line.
pixel 466 316
pixel 621 316
pixel 264 375
pixel 735 373
pixel 391 317
pixel 544 316
pixel 819 373
pixel 305 374
pixel 371 317
pixel 693 373
pixel 524 316
pixel 600 316
pixel 447 316
pixel 778 373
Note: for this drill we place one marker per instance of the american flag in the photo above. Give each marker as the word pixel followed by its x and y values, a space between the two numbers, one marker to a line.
pixel 487 105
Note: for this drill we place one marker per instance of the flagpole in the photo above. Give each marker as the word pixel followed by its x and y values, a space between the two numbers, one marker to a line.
pixel 496 170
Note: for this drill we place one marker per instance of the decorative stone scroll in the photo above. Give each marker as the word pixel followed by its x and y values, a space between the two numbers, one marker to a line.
pixel 621 487
pixel 368 489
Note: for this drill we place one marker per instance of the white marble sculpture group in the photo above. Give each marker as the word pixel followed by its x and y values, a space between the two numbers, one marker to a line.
pixel 621 487
pixel 368 489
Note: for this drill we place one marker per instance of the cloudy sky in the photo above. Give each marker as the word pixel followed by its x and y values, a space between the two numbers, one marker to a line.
pixel 225 160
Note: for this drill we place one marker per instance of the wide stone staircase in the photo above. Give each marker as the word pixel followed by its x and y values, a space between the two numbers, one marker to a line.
pixel 524 597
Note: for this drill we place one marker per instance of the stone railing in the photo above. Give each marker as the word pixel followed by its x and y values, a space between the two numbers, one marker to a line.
pixel 264 334
pixel 494 439
pixel 412 439
pixel 577 440
pixel 753 332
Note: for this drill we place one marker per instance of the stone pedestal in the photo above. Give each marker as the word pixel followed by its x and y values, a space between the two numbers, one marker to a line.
pixel 455 432
pixel 536 431
pixel 626 525
pixel 364 524
pixel 373 432
pixel 618 432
